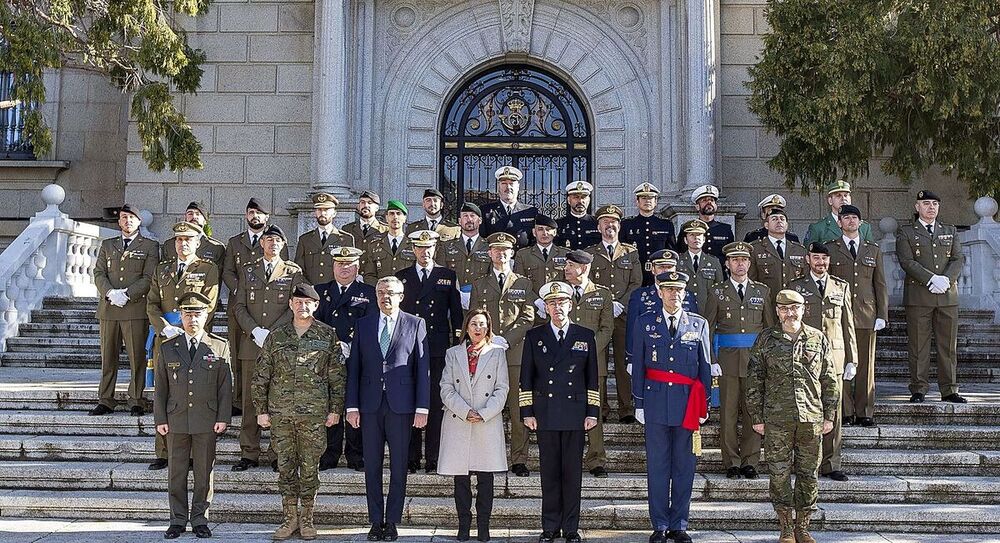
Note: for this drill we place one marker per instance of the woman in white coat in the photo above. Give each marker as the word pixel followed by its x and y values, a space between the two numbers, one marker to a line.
pixel 474 391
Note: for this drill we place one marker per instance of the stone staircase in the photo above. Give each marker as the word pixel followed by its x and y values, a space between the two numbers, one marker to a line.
pixel 928 467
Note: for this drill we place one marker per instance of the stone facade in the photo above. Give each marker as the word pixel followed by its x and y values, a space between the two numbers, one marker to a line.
pixel 349 95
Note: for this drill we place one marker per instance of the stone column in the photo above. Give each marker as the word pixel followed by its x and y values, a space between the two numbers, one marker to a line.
pixel 702 91
pixel 331 87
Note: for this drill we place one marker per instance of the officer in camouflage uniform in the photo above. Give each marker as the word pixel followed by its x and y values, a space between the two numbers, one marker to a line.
pixel 703 269
pixel 314 251
pixel 577 228
pixel 367 224
pixel 298 391
pixel 390 252
pixel 208 249
pixel 775 260
pixel 468 255
pixel 648 231
pixel 793 394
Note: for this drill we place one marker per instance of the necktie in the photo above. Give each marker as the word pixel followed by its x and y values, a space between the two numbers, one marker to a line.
pixel 739 290
pixel 253 240
pixel 579 294
pixel 468 246
pixel 268 268
pixel 433 225
pixel 545 255
pixel 501 281
pixel 395 246
pixel 820 286
pixel 343 290
pixel 126 241
pixel 781 252
pixel 509 210
pixel 611 252
pixel 423 273
pixel 673 326
pixel 193 347
pixel 364 230
pixel 562 336
pixel 180 269
pixel 930 229
pixel 695 262
pixel 322 238
pixel 854 251
pixel 383 337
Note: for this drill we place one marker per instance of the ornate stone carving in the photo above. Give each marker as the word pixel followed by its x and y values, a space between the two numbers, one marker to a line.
pixel 515 24
pixel 628 18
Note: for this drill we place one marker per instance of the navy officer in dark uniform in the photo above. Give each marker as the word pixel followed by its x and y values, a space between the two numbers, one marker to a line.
pixel 577 228
pixel 341 303
pixel 507 214
pixel 720 234
pixel 559 400
pixel 648 231
pixel 671 374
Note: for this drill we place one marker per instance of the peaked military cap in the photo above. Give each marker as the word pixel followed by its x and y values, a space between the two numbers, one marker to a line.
pixel 663 257
pixel 273 230
pixel 324 200
pixel 738 248
pixel 771 200
pixel 704 190
pixel 646 189
pixel 469 207
pixel 789 297
pixel 305 290
pixel 580 257
pixel 555 290
pixel 126 208
pixel 546 221
pixel 579 187
pixel 501 239
pixel 397 205
pixel 694 226
pixel 610 210
pixel 508 172
pixel 346 254
pixel 187 229
pixel 927 195
pixel 672 279
pixel 194 301
pixel 371 196
pixel 848 209
pixel 838 186
pixel 424 238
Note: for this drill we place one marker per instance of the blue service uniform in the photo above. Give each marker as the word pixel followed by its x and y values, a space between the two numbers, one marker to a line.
pixel 648 299
pixel 577 232
pixel 648 234
pixel 670 458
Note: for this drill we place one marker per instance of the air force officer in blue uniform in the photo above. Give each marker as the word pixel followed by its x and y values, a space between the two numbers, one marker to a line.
pixel 388 394
pixel 671 373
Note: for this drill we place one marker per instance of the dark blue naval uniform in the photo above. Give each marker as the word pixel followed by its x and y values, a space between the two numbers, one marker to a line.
pixel 648 234
pixel 648 299
pixel 559 389
pixel 577 232
pixel 670 458
pixel 341 311
pixel 437 301
pixel 518 224
pixel 761 233
pixel 718 236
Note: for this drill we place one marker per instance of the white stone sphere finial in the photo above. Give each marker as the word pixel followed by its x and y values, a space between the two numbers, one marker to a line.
pixel 985 208
pixel 888 226
pixel 52 196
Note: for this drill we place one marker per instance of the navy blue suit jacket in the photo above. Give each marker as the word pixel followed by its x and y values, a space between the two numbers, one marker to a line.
pixel 559 385
pixel 342 312
pixel 406 382
pixel 437 302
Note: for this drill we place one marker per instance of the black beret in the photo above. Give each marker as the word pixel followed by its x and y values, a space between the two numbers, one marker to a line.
pixel 125 208
pixel 818 248
pixel 255 204
pixel 196 206
pixel 371 196
pixel 580 257
pixel 927 195
pixel 273 230
pixel 305 290
pixel 469 207
pixel 546 221
pixel 777 211
pixel 848 209
pixel 433 192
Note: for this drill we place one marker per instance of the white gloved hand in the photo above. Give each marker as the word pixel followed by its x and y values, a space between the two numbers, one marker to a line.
pixel 499 340
pixel 879 324
pixel 346 347
pixel 716 370
pixel 540 308
pixel 170 331
pixel 850 370
pixel 703 420
pixel 941 282
pixel 465 297
pixel 628 368
pixel 259 335
pixel 617 308
pixel 935 289
pixel 640 415
pixel 118 297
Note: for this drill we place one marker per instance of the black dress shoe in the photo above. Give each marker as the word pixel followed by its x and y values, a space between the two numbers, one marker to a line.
pixel 430 468
pixel 101 409
pixel 375 534
pixel 836 475
pixel 659 536
pixel 327 462
pixel 244 464
pixel 547 537
pixel 749 472
pixel 202 531
pixel 389 532
pixel 356 466
pixel 628 419
pixel 173 532
pixel 520 470
pixel 412 467
pixel 237 412
pixel 137 411
pixel 159 463
pixel 866 422
pixel 599 472
pixel 733 473
pixel 916 397
pixel 463 534
pixel 573 537
pixel 483 534
pixel 680 536
pixel 954 398
pixel 850 421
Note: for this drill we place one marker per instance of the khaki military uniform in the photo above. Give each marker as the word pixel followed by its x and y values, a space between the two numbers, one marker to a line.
pixel 315 258
pixel 446 229
pixel 361 238
pixel 379 261
pixel 733 320
pixel 699 282
pixel 530 263
pixel 768 268
pixel 131 269
pixel 593 310
pixel 208 249
pixel 621 273
pixel 512 311
pixel 791 388
pixel 298 381
pixel 869 300
pixel 192 394
pixel 260 301
pixel 467 266
pixel 831 312
pixel 922 255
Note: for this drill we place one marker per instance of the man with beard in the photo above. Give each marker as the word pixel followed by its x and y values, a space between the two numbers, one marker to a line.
pixel 578 228
pixel 390 252
pixel 433 203
pixel 720 234
pixel 508 215
pixel 208 249
pixel 765 206
pixel 367 224
pixel 648 231
pixel 468 255
pixel 242 249
pixel 314 250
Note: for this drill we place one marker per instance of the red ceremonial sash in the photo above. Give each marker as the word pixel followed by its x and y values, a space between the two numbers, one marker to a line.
pixel 697 406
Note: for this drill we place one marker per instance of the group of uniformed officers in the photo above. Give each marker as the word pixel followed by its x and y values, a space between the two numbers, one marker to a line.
pixel 785 331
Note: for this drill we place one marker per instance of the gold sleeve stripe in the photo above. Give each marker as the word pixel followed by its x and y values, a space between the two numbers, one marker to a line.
pixel 524 403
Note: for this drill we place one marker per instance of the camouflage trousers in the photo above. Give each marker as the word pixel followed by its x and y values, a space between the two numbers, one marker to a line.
pixel 794 447
pixel 298 441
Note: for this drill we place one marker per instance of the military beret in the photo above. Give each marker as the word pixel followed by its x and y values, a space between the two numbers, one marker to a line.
pixel 663 257
pixel 546 221
pixel 273 230
pixel 610 210
pixel 346 254
pixel 255 204
pixel 927 195
pixel 187 229
pixel 848 209
pixel 580 257
pixel 672 279
pixel 501 239
pixel 818 248
pixel 555 290
pixel 702 191
pixel 646 189
pixel 772 200
pixel 197 207
pixel 738 248
pixel 579 187
pixel 397 205
pixel 371 196
pixel 694 226
pixel 469 207
pixel 424 238
pixel 125 208
pixel 838 186
pixel 194 301
pixel 324 200
pixel 305 290
pixel 508 172
pixel 789 297
pixel 433 192
pixel 777 210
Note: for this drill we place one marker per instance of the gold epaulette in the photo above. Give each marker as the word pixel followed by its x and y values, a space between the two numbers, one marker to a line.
pixel 594 398
pixel 524 398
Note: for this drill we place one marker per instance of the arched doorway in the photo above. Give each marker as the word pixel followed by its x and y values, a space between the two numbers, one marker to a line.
pixel 514 114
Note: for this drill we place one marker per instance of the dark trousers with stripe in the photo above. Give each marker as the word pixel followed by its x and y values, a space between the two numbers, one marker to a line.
pixel 560 454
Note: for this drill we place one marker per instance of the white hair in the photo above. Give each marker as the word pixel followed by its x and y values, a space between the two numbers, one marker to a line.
pixel 390 281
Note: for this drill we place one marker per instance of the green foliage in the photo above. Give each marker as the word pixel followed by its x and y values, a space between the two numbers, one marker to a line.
pixel 916 81
pixel 137 44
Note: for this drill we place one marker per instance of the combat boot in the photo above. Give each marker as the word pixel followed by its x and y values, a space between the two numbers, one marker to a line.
pixel 802 527
pixel 786 523
pixel 306 528
pixel 290 525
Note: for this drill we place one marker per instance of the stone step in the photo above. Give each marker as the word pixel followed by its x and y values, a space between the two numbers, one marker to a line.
pixel 78 303
pixel 509 512
pixel 985 316
pixel 621 459
pixel 90 331
pixel 345 482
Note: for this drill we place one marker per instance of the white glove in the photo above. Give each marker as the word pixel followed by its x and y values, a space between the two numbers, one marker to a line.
pixel 935 289
pixel 716 370
pixel 618 308
pixel 259 335
pixel 850 370
pixel 118 297
pixel 879 324
pixel 499 340
pixel 703 420
pixel 540 308
pixel 628 368
pixel 465 297
pixel 346 347
pixel 640 415
pixel 941 282
pixel 170 331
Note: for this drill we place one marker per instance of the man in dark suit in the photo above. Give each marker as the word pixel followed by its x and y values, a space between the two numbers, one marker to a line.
pixel 508 215
pixel 431 293
pixel 341 303
pixel 560 399
pixel 388 393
